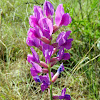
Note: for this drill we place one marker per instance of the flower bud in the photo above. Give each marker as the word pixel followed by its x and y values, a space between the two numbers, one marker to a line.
pixel 45 40
pixel 43 64
pixel 45 70
pixel 55 77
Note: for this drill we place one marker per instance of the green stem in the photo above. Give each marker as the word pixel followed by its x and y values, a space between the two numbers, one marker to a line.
pixel 49 68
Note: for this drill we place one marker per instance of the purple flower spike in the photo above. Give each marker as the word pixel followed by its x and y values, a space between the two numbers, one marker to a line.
pixel 46 27
pixel 62 18
pixel 47 52
pixel 48 8
pixel 35 56
pixel 63 95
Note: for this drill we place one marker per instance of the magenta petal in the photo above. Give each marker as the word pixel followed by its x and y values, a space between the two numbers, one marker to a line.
pixel 46 27
pixel 38 13
pixel 44 86
pixel 30 42
pixel 63 92
pixel 31 33
pixel 48 8
pixel 66 56
pixel 68 44
pixel 60 39
pixel 34 32
pixel 37 67
pixel 47 52
pixel 33 21
pixel 58 14
pixel 38 33
pixel 35 56
pixel 30 58
pixel 45 82
pixel 33 71
pixel 66 19
pixel 45 79
pixel 33 42
pixel 67 35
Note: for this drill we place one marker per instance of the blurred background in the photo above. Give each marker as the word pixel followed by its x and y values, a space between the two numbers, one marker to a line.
pixel 81 77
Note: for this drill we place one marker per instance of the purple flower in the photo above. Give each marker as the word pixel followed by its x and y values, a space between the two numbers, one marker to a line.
pixel 44 80
pixel 44 86
pixel 34 57
pixel 63 40
pixel 48 8
pixel 34 33
pixel 63 95
pixel 47 52
pixel 46 27
pixel 33 42
pixel 40 36
pixel 35 69
pixel 62 55
pixel 38 13
pixel 62 18
pixel 36 78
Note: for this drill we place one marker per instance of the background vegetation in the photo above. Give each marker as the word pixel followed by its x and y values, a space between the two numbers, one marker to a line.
pixel 81 75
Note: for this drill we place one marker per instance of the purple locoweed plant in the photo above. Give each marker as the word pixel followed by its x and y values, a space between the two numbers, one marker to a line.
pixel 40 36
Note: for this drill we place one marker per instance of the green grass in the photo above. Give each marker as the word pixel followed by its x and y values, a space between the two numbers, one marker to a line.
pixel 81 75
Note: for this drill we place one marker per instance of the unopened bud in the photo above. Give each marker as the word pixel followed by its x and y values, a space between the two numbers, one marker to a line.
pixel 45 40
pixel 55 77
pixel 43 64
pixel 45 70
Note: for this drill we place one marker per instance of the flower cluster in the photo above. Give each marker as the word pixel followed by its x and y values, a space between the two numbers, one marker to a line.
pixel 40 36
